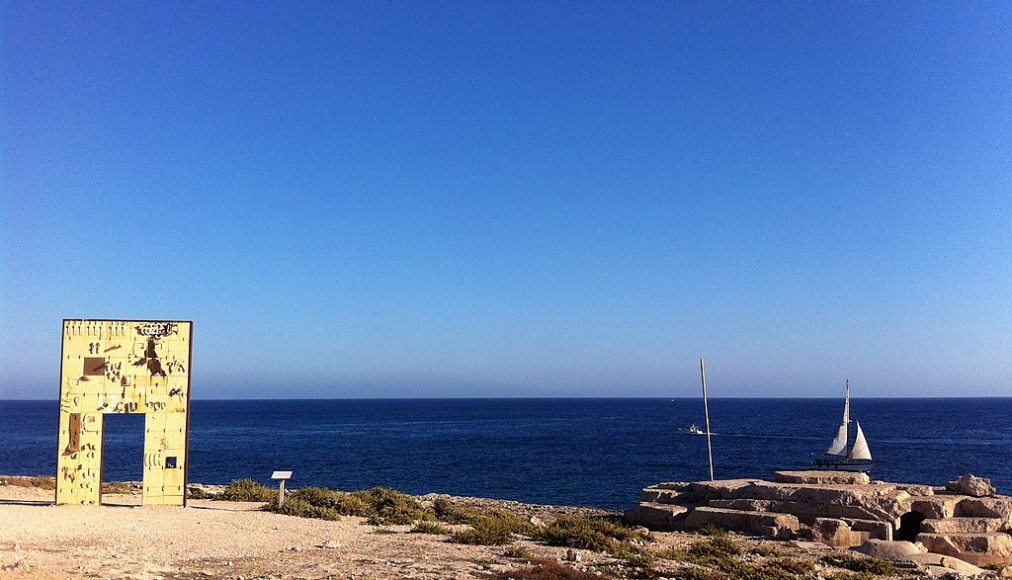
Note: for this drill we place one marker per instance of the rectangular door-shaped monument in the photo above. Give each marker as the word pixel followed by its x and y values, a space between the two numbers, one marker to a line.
pixel 124 366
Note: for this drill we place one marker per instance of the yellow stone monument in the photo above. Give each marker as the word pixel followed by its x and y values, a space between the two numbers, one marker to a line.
pixel 124 366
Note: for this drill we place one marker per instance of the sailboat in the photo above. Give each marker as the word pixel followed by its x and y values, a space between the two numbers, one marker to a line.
pixel 837 457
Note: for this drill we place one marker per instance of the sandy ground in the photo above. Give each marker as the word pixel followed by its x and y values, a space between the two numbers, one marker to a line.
pixel 216 539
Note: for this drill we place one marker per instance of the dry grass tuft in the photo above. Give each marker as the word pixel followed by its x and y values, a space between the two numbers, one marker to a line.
pixel 428 527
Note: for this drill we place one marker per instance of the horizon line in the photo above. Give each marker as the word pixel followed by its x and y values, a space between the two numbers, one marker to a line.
pixel 538 398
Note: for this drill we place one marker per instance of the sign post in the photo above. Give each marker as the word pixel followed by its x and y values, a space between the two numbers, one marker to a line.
pixel 282 477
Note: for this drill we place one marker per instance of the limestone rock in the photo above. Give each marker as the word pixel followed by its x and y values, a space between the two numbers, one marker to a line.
pixel 780 526
pixel 947 563
pixel 891 550
pixel 748 505
pixel 987 507
pixel 822 477
pixel 876 530
pixel 660 495
pixel 971 485
pixel 978 549
pixel 936 507
pixel 962 525
pixel 836 533
pixel 720 489
pixel 675 485
pixel 657 516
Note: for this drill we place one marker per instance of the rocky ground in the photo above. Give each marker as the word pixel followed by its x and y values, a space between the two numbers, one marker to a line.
pixel 238 540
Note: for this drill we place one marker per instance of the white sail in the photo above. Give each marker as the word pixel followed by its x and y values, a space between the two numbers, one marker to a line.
pixel 860 449
pixel 839 444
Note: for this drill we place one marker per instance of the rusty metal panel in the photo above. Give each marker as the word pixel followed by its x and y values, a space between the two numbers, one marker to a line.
pixel 124 366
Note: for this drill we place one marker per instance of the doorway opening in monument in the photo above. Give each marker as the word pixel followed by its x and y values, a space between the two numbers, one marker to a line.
pixel 910 526
pixel 122 456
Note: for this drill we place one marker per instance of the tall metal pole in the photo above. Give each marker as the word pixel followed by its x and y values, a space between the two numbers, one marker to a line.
pixel 706 412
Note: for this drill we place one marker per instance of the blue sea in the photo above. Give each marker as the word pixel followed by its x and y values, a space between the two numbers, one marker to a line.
pixel 597 452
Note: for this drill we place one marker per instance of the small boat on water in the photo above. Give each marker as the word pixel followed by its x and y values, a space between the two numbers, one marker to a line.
pixel 692 429
pixel 837 456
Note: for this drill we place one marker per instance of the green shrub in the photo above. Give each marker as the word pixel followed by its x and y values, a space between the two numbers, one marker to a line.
pixel 388 507
pixel 452 514
pixel 585 533
pixel 487 531
pixel 429 527
pixel 294 506
pixel 380 506
pixel 247 490
pixel 861 564
pixel 346 504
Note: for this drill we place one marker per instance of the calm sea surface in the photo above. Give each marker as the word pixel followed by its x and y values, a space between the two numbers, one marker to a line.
pixel 561 451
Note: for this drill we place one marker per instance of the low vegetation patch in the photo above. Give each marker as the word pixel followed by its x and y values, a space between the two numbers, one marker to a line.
pixel 516 551
pixel 389 507
pixel 544 569
pixel 447 512
pixel 37 482
pixel 718 556
pixel 492 529
pixel 247 490
pixel 429 527
pixel 199 493
pixel 294 506
pixel 381 506
pixel 588 534
pixel 116 487
pixel 861 564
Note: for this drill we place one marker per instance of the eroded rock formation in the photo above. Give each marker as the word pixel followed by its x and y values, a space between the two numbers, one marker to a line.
pixel 965 519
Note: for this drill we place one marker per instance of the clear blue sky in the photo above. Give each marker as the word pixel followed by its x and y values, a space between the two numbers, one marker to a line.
pixel 515 198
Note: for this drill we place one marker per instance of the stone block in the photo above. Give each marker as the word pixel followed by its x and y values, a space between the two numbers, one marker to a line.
pixel 780 526
pixel 835 533
pixel 721 489
pixel 978 549
pixel 675 485
pixel 657 516
pixel 876 530
pixel 962 525
pixel 663 496
pixel 822 477
pixel 936 507
pixel 895 551
pixel 808 511
pixel 948 563
pixel 748 505
pixel 986 507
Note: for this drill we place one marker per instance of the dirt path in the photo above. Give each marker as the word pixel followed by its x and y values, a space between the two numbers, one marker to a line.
pixel 223 540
